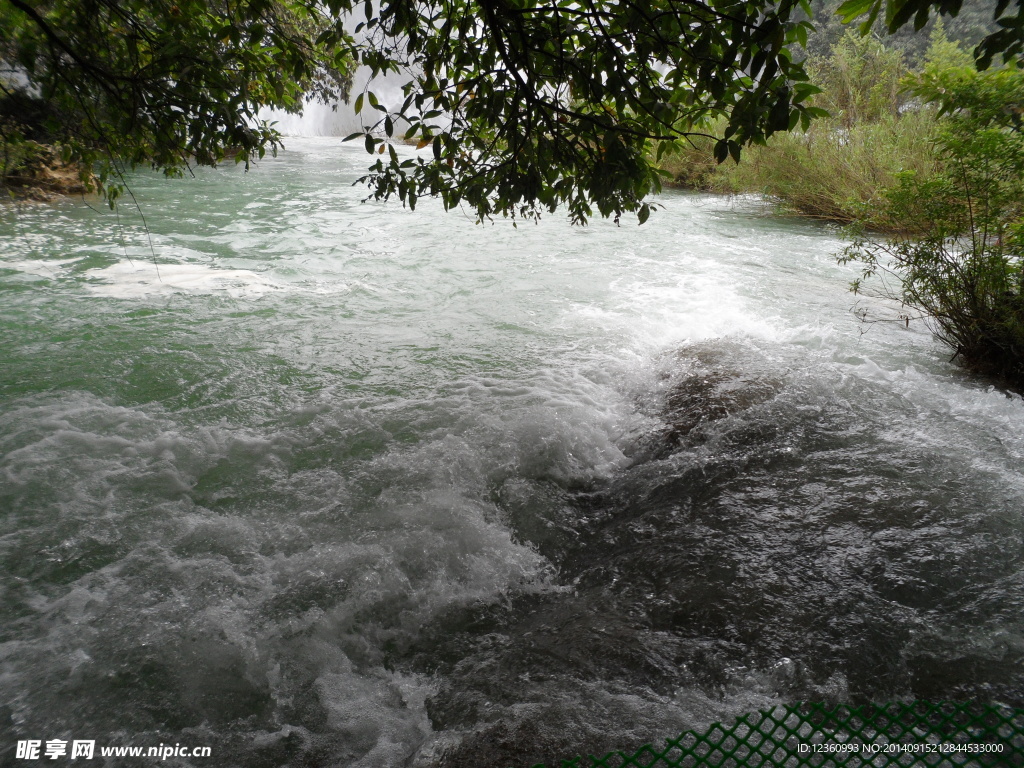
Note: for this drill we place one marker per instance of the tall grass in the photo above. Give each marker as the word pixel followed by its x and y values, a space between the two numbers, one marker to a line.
pixel 839 169
pixel 836 173
pixel 829 172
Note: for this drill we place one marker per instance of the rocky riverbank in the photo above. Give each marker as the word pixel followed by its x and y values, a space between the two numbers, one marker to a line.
pixel 33 171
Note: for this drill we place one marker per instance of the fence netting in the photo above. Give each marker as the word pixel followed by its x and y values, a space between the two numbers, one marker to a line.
pixel 941 734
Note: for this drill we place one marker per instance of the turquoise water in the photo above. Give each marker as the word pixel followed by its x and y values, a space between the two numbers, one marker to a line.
pixel 321 482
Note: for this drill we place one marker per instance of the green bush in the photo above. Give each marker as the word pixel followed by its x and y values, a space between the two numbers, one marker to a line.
pixel 32 169
pixel 962 266
pixel 20 158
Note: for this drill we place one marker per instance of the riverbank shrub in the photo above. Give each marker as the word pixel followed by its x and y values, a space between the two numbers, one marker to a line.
pixel 34 170
pixel 17 156
pixel 961 268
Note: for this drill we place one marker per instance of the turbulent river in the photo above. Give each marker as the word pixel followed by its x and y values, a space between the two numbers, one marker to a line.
pixel 317 482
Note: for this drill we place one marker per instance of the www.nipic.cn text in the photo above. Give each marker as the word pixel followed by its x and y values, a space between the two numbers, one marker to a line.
pixel 38 749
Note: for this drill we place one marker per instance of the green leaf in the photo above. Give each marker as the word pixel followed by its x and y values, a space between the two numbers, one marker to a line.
pixel 852 9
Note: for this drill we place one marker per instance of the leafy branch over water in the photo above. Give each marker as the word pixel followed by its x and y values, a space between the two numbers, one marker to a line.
pixel 527 106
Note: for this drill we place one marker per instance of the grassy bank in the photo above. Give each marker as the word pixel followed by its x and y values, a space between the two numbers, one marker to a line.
pixel 837 173
pixel 831 172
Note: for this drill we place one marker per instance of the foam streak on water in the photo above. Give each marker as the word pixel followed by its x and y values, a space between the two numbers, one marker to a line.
pixel 319 482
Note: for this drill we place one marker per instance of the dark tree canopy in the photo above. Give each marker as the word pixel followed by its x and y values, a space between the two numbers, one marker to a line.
pixel 532 105
pixel 526 105
pixel 529 105
pixel 166 82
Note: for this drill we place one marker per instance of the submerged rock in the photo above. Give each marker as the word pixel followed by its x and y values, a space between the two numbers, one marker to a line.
pixel 720 574
pixel 711 381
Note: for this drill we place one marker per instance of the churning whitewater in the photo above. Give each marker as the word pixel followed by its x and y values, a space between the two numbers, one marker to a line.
pixel 317 482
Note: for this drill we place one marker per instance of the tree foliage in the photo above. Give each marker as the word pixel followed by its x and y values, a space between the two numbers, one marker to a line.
pixel 167 82
pixel 994 98
pixel 525 105
pixel 528 105
pixel 532 104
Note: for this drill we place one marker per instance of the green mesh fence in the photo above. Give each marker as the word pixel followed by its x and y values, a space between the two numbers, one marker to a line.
pixel 903 734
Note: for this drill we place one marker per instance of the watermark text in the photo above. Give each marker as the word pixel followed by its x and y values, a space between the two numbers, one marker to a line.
pixel 86 749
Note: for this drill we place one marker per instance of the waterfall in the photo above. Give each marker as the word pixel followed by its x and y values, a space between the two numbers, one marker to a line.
pixel 340 119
